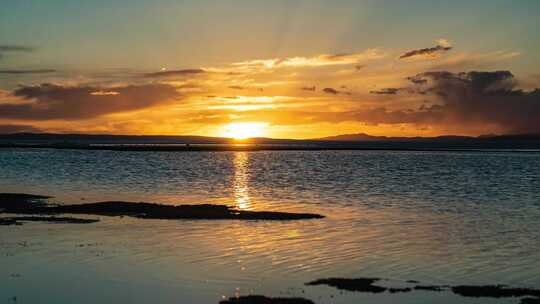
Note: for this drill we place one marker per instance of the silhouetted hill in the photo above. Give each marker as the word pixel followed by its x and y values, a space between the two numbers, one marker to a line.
pixel 366 137
pixel 512 141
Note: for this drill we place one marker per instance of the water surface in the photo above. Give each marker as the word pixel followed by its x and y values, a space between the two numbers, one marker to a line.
pixel 438 217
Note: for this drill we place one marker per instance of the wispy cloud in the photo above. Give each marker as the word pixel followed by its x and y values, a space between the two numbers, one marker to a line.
pixel 386 91
pixel 428 53
pixel 173 73
pixel 14 48
pixel 315 61
pixel 18 72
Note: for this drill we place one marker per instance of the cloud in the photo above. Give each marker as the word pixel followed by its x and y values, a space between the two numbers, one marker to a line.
pixel 443 43
pixel 428 53
pixel 386 91
pixel 315 61
pixel 173 73
pixel 473 102
pixel 55 102
pixel 104 93
pixel 335 91
pixel 16 72
pixel 360 67
pixel 331 91
pixel 14 48
pixel 235 87
pixel 10 129
pixel 465 100
pixel 311 89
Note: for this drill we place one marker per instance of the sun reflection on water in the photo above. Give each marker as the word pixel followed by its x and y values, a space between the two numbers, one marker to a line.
pixel 241 181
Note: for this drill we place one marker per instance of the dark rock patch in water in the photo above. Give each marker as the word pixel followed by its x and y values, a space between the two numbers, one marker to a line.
pixel 20 201
pixel 494 291
pixel 430 287
pixel 265 300
pixel 359 285
pixel 397 290
pixel 24 204
pixel 485 291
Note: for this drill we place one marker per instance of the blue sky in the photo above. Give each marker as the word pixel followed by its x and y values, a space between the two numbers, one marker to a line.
pixel 148 34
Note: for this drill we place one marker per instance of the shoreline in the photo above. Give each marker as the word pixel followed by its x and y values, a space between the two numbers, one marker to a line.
pixel 258 147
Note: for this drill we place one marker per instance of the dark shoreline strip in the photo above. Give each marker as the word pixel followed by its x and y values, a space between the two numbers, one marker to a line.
pixel 261 147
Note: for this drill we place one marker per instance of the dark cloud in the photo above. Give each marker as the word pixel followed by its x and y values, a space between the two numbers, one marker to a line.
pixel 16 72
pixel 49 101
pixel 426 51
pixel 11 129
pixel 174 73
pixel 336 92
pixel 331 91
pixel 467 99
pixel 234 87
pixel 311 89
pixel 417 80
pixel 386 91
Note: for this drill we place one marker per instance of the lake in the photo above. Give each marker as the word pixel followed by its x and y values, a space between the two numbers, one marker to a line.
pixel 436 217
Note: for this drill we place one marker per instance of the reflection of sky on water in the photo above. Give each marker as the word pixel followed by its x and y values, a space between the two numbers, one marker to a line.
pixel 390 214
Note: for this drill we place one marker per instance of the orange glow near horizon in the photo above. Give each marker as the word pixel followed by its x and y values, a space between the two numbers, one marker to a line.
pixel 244 130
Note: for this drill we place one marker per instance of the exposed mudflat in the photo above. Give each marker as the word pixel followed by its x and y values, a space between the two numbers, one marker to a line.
pixel 360 284
pixel 37 205
pixel 528 295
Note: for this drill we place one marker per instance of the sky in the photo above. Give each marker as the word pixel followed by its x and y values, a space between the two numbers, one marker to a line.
pixel 283 69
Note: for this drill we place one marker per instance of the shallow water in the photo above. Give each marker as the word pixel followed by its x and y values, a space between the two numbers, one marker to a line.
pixel 437 217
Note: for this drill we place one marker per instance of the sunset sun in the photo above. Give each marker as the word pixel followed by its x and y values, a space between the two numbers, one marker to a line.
pixel 244 130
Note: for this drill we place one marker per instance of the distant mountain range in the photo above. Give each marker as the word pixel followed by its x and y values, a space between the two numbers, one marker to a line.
pixel 347 141
pixel 367 137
